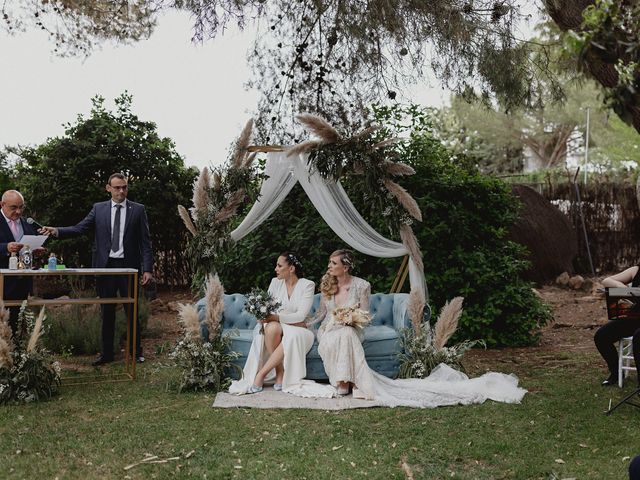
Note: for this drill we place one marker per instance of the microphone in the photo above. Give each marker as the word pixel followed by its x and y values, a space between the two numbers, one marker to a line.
pixel 31 221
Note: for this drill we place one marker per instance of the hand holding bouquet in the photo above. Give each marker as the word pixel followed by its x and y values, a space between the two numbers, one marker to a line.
pixel 261 304
pixel 352 316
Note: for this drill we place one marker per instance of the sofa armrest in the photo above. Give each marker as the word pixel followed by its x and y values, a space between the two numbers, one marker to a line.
pixel 233 317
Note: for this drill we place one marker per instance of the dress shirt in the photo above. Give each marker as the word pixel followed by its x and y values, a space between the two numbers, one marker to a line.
pixel 123 216
pixel 18 224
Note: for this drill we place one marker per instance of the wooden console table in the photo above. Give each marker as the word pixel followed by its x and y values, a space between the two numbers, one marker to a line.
pixel 132 298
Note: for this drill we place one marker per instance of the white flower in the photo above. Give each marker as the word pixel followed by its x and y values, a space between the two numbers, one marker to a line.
pixel 263 309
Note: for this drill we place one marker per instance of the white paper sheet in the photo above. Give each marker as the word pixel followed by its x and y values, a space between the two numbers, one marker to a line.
pixel 33 241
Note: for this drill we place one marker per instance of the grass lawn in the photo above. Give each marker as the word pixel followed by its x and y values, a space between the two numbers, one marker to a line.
pixel 95 431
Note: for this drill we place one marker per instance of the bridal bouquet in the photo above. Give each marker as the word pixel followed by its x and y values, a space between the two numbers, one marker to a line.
pixel 351 316
pixel 261 304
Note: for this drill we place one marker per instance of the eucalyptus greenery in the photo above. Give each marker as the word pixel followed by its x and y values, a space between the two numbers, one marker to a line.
pixel 29 373
pixel 204 365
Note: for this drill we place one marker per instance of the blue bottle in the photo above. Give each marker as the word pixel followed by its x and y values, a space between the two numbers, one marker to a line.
pixel 53 262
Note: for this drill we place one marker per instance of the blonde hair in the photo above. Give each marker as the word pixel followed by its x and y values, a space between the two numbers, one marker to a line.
pixel 329 283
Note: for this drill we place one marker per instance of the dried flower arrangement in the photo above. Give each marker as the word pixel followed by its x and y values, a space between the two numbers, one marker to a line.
pixel 28 372
pixel 426 348
pixel 205 362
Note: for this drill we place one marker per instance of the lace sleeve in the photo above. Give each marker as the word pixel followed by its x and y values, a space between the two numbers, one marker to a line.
pixel 364 293
pixel 321 313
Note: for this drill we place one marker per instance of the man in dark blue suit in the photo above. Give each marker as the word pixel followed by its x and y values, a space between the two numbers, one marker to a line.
pixel 121 240
pixel 12 228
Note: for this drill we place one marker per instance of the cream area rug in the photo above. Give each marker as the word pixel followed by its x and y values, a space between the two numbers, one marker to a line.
pixel 270 398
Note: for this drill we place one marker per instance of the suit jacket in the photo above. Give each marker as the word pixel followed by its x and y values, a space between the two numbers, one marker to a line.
pixel 15 288
pixel 136 241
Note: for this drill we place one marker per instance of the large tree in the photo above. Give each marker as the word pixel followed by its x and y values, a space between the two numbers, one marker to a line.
pixel 333 56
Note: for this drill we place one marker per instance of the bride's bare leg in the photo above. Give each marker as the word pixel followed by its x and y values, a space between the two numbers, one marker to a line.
pixel 274 360
pixel 273 338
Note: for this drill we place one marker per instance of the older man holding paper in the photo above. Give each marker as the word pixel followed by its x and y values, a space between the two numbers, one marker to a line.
pixel 12 229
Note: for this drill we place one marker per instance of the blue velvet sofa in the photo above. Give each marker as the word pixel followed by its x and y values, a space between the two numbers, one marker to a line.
pixel 381 338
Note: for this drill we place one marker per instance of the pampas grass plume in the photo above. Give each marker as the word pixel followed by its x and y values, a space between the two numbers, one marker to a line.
pixel 319 127
pixel 242 144
pixel 386 143
pixel 447 323
pixel 398 168
pixel 303 147
pixel 217 181
pixel 186 219
pixel 188 318
pixel 229 210
pixel 416 309
pixel 36 332
pixel 5 328
pixel 410 242
pixel 201 193
pixel 6 361
pixel 406 200
pixel 214 295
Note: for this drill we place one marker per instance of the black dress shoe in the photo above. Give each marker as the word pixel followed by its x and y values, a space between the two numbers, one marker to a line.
pixel 101 361
pixel 611 380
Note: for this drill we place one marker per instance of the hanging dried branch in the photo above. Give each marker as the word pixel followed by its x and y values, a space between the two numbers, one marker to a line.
pixel 36 332
pixel 303 147
pixel 410 242
pixel 398 168
pixel 447 322
pixel 242 144
pixel 406 200
pixel 229 210
pixel 319 127
pixel 214 295
pixel 186 219
pixel 416 309
pixel 201 193
pixel 188 318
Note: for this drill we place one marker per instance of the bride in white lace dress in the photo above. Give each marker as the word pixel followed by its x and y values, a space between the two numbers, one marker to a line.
pixel 344 361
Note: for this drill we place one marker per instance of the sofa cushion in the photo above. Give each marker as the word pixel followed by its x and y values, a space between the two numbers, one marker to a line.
pixel 380 340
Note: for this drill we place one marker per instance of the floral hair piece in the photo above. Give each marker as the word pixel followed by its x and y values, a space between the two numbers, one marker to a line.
pixel 294 260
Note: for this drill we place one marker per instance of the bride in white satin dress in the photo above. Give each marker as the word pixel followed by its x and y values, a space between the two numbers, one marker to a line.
pixel 280 353
pixel 344 361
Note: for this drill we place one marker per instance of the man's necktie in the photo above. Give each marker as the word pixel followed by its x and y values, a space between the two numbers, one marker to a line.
pixel 115 238
pixel 14 228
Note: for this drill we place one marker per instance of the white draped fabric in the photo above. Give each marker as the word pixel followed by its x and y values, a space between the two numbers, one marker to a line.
pixel 333 204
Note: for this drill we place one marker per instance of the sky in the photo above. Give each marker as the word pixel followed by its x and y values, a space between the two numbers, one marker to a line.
pixel 195 93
